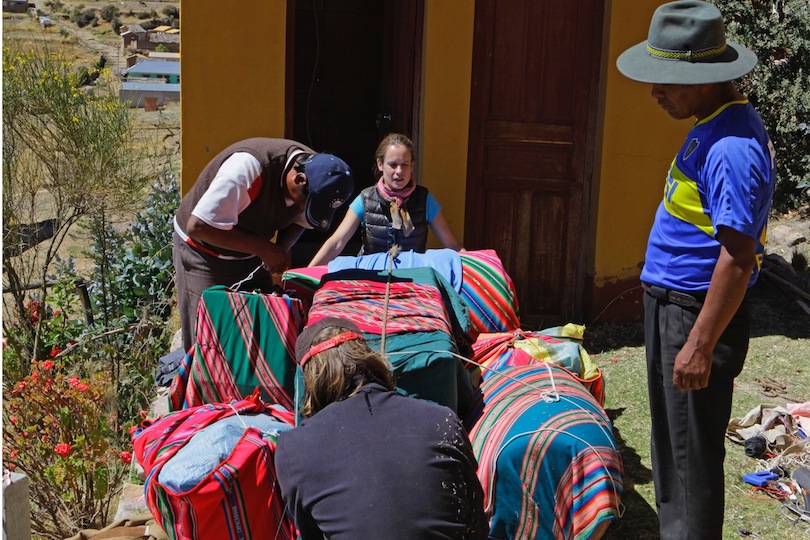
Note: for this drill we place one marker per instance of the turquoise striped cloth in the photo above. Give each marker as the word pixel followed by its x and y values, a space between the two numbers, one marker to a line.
pixel 244 341
pixel 547 458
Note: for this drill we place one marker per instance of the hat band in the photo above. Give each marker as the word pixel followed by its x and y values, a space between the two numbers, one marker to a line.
pixel 689 56
pixel 330 343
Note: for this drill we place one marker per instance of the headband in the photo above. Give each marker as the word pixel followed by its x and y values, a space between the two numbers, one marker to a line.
pixel 328 344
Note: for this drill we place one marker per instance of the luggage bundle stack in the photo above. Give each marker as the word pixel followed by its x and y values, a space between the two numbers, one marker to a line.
pixel 449 324
pixel 532 401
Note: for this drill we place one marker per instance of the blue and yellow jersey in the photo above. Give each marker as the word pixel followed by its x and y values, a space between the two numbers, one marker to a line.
pixel 724 175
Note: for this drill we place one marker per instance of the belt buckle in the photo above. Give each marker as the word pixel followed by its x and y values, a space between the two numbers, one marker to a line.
pixel 682 299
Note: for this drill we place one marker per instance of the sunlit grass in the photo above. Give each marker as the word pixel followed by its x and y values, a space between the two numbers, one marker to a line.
pixel 779 349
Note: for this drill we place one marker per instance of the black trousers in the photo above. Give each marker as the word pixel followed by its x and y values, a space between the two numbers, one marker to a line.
pixel 688 428
pixel 196 271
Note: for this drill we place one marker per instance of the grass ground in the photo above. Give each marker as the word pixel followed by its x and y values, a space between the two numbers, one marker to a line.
pixel 779 349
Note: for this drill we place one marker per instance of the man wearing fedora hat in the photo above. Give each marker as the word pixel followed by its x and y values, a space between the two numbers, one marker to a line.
pixel 704 251
pixel 249 192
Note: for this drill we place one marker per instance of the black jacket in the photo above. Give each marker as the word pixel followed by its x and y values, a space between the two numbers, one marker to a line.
pixel 381 465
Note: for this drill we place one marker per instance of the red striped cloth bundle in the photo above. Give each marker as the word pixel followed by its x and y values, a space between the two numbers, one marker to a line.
pixel 486 288
pixel 489 291
pixel 237 498
pixel 407 306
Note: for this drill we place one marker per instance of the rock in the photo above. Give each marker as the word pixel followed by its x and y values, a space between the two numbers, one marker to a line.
pixel 160 406
pixel 782 234
pixel 132 502
pixel 177 341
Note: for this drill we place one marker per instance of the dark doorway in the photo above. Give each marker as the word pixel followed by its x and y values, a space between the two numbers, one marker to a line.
pixel 353 76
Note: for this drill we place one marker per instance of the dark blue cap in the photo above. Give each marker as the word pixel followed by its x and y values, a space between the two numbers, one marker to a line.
pixel 330 185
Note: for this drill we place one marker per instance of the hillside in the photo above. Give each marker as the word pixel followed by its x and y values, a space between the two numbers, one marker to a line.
pixel 87 44
pixel 159 130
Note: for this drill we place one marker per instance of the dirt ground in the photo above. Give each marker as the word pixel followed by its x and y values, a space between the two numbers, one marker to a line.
pixel 100 39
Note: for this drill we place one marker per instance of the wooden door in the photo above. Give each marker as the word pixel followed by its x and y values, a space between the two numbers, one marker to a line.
pixel 532 124
pixel 353 73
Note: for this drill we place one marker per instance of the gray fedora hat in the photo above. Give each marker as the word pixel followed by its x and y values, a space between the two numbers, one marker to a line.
pixel 686 44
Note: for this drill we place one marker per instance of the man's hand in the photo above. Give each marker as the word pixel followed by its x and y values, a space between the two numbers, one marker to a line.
pixel 275 258
pixel 693 364
pixel 692 368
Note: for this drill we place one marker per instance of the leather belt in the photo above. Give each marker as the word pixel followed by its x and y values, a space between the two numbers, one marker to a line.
pixel 679 298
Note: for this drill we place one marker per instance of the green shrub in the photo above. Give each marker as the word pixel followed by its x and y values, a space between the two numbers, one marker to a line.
pixel 109 12
pixel 779 33
pixel 82 18
pixel 133 269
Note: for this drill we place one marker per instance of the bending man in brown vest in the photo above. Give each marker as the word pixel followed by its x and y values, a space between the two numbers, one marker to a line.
pixel 250 192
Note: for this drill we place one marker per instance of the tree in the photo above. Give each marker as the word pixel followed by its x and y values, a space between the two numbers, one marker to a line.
pixel 109 12
pixel 68 154
pixel 778 31
pixel 171 12
pixel 74 164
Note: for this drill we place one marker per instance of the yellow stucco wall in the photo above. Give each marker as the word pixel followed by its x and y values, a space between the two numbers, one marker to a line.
pixel 233 82
pixel 639 141
pixel 233 92
pixel 446 76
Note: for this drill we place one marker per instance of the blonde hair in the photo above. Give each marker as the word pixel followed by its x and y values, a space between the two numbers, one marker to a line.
pixel 341 371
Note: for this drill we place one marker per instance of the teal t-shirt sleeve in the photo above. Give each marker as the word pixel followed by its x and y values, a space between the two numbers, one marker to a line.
pixel 357 207
pixel 432 207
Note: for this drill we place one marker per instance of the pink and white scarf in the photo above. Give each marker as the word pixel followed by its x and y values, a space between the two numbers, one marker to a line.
pixel 400 218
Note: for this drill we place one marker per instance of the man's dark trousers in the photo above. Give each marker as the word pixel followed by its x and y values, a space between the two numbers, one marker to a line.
pixel 688 428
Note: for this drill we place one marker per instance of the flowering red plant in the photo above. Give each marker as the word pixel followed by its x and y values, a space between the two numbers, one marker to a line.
pixel 57 431
pixel 63 449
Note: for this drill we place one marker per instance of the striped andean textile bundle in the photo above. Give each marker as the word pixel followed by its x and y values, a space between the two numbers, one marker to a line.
pixel 489 291
pixel 486 288
pixel 547 458
pixel 426 324
pixel 244 341
pixel 211 474
pixel 524 348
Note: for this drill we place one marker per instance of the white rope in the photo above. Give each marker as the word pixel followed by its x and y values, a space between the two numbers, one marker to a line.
pixel 247 427
pixel 238 284
pixel 545 395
